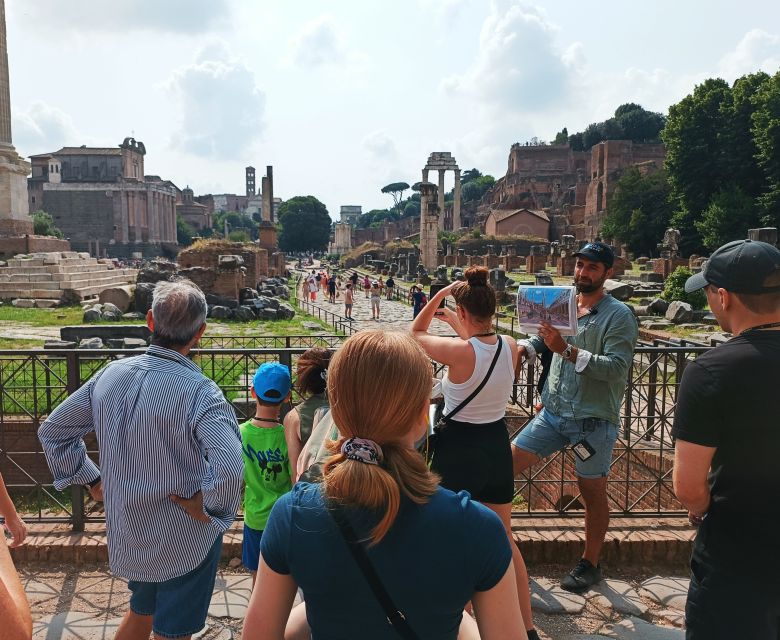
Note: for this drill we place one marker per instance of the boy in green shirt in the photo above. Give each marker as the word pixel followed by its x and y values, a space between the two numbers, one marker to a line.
pixel 267 473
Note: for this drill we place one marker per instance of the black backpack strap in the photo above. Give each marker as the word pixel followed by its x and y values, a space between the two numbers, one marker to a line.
pixel 394 616
pixel 481 384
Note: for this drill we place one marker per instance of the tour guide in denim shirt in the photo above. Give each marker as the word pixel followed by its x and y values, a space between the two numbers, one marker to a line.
pixel 170 467
pixel 582 398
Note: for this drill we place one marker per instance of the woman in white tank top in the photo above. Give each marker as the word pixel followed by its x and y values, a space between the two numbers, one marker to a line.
pixel 472 451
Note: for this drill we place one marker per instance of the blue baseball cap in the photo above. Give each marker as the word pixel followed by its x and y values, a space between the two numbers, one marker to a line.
pixel 598 252
pixel 272 382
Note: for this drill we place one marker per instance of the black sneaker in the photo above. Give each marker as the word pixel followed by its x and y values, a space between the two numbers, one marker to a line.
pixel 582 577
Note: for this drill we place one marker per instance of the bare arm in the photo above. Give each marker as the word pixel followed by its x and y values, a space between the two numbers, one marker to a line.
pixel 12 520
pixel 691 467
pixel 270 604
pixel 292 435
pixel 14 610
pixel 498 610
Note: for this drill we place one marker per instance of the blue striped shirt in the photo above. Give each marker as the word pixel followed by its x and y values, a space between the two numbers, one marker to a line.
pixel 163 429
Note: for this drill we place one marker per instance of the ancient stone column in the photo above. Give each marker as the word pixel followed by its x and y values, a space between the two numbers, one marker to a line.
pixel 14 208
pixel 441 200
pixel 456 224
pixel 429 226
pixel 5 87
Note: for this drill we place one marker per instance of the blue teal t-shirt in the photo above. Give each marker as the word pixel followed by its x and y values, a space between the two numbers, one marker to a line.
pixel 431 562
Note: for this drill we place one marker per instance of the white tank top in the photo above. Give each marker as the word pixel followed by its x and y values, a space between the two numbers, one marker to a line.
pixel 490 404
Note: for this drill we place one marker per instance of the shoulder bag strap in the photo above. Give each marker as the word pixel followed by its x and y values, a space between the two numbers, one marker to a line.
pixel 394 616
pixel 481 384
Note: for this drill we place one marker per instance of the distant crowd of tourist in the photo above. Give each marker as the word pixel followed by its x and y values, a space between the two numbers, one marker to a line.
pixel 387 521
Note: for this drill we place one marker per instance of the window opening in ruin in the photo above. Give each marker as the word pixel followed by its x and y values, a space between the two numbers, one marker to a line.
pixel 600 197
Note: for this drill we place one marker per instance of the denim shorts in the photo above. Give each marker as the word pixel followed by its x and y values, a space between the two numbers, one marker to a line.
pixel 250 549
pixel 548 433
pixel 179 606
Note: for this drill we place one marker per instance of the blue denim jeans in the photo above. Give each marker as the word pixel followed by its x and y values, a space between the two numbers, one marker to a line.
pixel 548 433
pixel 179 606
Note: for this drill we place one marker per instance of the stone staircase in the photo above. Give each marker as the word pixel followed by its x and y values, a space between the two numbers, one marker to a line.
pixel 62 277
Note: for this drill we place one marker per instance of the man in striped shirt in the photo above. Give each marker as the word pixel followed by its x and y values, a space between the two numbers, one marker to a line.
pixel 170 467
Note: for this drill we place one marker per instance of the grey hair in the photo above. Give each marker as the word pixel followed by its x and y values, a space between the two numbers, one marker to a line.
pixel 179 311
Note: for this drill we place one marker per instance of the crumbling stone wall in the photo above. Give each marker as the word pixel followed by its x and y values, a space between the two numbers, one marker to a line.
pixel 206 255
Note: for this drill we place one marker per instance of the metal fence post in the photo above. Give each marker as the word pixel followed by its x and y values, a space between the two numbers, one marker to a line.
pixel 77 506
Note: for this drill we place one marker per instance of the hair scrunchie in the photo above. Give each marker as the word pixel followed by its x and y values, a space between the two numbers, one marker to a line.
pixel 362 450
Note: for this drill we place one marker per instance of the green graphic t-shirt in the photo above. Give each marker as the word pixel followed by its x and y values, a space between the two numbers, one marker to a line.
pixel 266 471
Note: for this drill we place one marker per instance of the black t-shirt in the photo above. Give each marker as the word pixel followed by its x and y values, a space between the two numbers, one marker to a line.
pixel 728 400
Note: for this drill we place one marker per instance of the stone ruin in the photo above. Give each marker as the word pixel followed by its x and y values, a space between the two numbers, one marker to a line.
pixel 50 279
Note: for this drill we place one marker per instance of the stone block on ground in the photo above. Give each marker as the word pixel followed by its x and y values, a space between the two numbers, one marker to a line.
pixel 59 344
pixel 668 592
pixel 142 300
pixel 656 325
pixel 710 319
pixel 268 314
pixel 23 303
pixel 621 597
pixel 658 305
pixel 105 332
pixel 111 312
pixel 679 312
pixel 548 597
pixel 285 311
pixel 121 297
pixel 91 343
pixel 92 315
pixel 244 314
pixel 218 312
pixel 635 628
pixel 133 315
pixel 134 343
pixel 46 304
pixel 618 290
pixel 311 326
pixel 651 276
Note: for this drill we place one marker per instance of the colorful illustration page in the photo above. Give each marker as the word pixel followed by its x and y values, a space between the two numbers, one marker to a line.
pixel 556 305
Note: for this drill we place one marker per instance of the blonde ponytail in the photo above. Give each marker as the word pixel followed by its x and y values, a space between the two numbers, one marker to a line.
pixel 384 413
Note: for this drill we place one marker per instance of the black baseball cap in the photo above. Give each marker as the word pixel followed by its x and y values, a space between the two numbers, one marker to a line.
pixel 598 252
pixel 742 266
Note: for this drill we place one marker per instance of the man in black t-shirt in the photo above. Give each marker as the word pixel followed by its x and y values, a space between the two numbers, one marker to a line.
pixel 727 453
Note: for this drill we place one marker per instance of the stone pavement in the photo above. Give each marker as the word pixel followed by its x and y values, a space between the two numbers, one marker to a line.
pixel 87 603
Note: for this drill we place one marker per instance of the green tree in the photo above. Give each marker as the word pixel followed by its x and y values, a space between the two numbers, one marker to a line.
pixel 239 235
pixel 694 145
pixel 470 174
pixel 43 225
pixel 766 133
pixel 411 209
pixel 396 190
pixel 674 289
pixel 639 210
pixel 184 232
pixel 475 189
pixel 730 214
pixel 562 137
pixel 305 224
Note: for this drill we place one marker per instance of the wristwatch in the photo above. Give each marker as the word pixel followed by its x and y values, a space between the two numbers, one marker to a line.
pixel 566 353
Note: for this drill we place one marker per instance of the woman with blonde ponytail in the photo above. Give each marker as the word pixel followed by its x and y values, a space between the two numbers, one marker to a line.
pixel 433 550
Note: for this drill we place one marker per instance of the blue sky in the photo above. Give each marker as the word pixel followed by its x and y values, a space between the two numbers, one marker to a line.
pixel 344 97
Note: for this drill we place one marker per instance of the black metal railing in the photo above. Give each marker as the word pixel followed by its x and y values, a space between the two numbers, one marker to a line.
pixel 33 383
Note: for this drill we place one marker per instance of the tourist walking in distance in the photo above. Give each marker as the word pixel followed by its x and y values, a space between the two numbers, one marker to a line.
pixel 389 285
pixel 349 296
pixel 471 450
pixel 366 286
pixel 431 549
pixel 376 298
pixel 727 433
pixel 418 300
pixel 313 287
pixel 267 466
pixel 332 289
pixel 170 467
pixel 582 397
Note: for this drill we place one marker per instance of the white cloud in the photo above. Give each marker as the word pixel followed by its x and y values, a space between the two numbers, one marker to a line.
pixel 221 105
pixel 177 16
pixel 317 44
pixel 519 64
pixel 42 128
pixel 382 156
pixel 758 50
